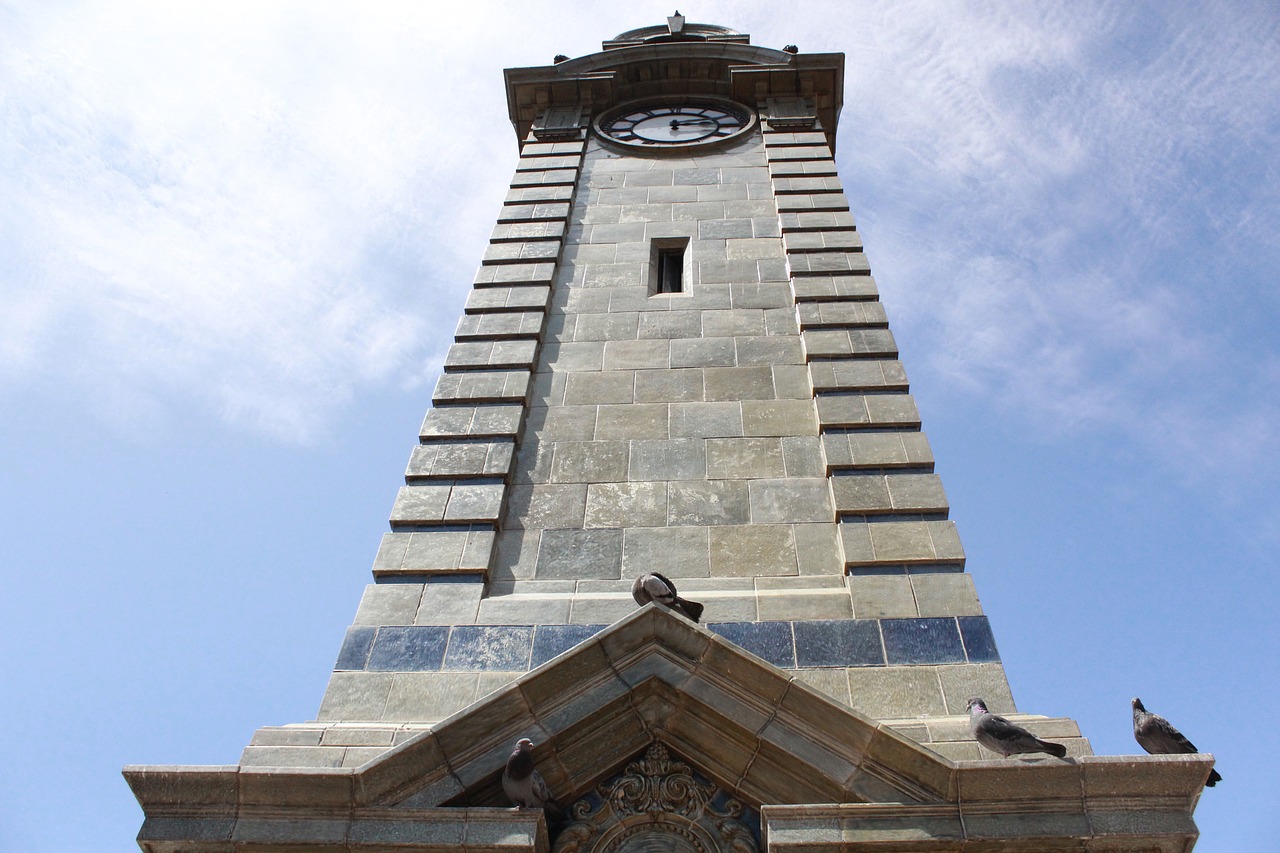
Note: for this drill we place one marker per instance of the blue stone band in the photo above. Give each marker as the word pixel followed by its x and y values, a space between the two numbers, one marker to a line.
pixel 925 641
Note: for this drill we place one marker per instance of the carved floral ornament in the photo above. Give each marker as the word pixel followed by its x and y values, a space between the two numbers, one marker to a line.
pixel 656 805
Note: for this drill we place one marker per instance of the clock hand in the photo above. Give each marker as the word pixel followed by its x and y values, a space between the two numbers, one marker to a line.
pixel 676 123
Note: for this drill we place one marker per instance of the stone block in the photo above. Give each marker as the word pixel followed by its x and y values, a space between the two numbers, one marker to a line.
pixel 601 609
pixel 522 610
pixel 738 383
pixel 986 680
pixel 877 450
pixel 580 554
pixel 636 355
pixel 743 458
pixel 516 554
pixel 814 202
pixel 704 352
pixel 761 295
pixel 725 271
pixel 922 641
pixel 803 604
pixel 706 420
pixel 574 356
pixel 832 683
pixel 882 596
pixel 632 422
pixel 513 324
pixel 711 502
pixel 449 604
pixel 589 462
pixel 838 642
pixel 562 423
pixel 488 647
pixel 817 549
pixel 979 642
pixel 791 499
pixel 791 382
pixel 750 550
pixel 825 287
pixel 448 460
pixel 945 594
pixel 802 455
pixel 462 549
pixel 669 386
pixel 669 325
pixel 543 506
pixel 511 386
pixel 832 315
pixel 388 604
pixel 474 501
pixel 502 420
pixel 429 696
pixel 519 231
pixel 770 641
pixel 492 355
pixel 769 350
pixel 626 505
pixel 612 386
pixel 421 504
pixel 677 552
pixel 896 692
pixel 532 212
pixel 779 417
pixel 676 459
pixel 355 696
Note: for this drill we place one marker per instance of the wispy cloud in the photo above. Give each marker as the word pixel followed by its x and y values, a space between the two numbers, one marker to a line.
pixel 1052 199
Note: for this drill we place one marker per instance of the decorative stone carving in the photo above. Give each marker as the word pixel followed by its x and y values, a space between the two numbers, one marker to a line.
pixel 656 805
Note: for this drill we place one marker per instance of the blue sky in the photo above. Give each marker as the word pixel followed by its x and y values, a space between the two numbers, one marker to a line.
pixel 236 239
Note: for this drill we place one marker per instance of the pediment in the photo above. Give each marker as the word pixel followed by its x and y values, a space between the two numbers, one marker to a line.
pixel 656 678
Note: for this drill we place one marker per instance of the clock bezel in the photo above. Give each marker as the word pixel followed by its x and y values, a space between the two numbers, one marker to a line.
pixel 600 122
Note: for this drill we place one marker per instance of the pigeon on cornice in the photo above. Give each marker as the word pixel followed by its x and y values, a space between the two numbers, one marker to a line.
pixel 654 587
pixel 999 735
pixel 1157 736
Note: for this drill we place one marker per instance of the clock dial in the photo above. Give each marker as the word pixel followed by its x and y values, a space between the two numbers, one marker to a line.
pixel 663 124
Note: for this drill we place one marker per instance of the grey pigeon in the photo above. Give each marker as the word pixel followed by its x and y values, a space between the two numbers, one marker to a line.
pixel 999 735
pixel 523 784
pixel 654 587
pixel 1157 736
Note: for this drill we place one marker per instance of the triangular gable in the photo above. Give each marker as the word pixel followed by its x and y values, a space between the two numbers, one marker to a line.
pixel 654 677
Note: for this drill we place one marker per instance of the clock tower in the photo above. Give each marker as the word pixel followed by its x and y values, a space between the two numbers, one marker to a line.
pixel 673 360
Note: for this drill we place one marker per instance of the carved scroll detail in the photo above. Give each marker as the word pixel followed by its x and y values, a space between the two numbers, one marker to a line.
pixel 655 804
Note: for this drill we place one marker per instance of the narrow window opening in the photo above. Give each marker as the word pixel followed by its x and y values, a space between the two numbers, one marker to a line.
pixel 671 270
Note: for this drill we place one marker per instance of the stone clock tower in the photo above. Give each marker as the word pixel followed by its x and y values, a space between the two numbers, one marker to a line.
pixel 673 359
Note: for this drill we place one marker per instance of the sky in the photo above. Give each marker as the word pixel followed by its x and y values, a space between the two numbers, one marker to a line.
pixel 235 239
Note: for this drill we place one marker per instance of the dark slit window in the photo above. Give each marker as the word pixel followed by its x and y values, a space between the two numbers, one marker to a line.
pixel 671 270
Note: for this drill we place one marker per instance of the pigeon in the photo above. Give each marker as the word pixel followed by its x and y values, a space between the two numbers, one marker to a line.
pixel 1155 734
pixel 523 784
pixel 654 587
pixel 999 735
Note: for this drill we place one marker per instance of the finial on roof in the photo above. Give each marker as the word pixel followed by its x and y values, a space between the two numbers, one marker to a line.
pixel 675 23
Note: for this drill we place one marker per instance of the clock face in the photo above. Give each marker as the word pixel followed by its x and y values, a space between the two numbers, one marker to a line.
pixel 670 124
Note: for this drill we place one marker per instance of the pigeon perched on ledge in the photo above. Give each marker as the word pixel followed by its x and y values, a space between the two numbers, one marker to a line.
pixel 654 587
pixel 999 735
pixel 524 785
pixel 1157 736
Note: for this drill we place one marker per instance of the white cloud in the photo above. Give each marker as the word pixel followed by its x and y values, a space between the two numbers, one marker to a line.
pixel 260 209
